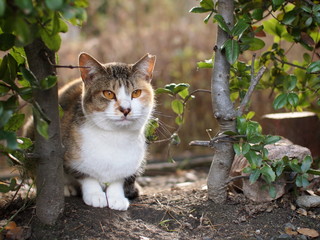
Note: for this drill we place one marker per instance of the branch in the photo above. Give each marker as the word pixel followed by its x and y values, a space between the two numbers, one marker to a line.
pixel 219 138
pixel 253 83
pixel 290 64
pixel 61 66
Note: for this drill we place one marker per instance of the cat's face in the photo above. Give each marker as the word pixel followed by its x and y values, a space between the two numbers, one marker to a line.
pixel 116 95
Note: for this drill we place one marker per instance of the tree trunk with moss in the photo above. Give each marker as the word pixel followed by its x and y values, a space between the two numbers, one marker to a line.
pixel 48 152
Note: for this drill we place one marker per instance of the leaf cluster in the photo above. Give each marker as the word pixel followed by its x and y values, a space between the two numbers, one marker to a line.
pixel 21 22
pixel 252 147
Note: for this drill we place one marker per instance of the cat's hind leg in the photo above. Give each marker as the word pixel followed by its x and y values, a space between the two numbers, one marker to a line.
pixel 92 193
pixel 116 197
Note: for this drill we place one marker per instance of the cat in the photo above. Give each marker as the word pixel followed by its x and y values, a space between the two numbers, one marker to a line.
pixel 102 128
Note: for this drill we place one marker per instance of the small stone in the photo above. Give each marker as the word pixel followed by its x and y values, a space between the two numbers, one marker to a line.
pixel 290 226
pixel 258 231
pixel 284 236
pixel 302 212
pixel 308 201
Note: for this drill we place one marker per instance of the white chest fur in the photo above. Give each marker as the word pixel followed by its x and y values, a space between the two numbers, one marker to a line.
pixel 109 156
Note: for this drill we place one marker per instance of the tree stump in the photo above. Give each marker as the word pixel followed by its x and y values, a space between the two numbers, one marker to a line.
pixel 302 128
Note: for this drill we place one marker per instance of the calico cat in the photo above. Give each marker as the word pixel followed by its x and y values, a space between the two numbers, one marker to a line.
pixel 105 113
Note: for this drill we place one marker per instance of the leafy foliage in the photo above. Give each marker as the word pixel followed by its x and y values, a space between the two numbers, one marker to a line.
pixel 22 22
pixel 296 83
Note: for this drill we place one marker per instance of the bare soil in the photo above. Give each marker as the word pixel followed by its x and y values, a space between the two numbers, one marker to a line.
pixel 172 207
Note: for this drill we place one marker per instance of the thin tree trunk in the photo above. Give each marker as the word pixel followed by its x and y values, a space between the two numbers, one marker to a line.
pixel 49 180
pixel 223 111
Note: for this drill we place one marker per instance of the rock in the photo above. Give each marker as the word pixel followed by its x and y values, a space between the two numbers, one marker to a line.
pixel 290 226
pixel 308 201
pixel 284 236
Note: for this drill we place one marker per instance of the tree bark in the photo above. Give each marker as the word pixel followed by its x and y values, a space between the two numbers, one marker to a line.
pixel 223 111
pixel 49 179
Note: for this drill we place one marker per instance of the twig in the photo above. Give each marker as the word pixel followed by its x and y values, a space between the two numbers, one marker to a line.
pixel 220 138
pixel 253 83
pixel 62 66
pixel 236 178
pixel 290 64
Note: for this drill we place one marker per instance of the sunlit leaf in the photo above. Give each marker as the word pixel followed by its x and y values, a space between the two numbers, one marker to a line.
pixel 177 106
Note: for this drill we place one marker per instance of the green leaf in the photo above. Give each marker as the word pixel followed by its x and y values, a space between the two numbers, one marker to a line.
pixel 25 5
pixel 180 87
pixel 308 21
pixel 23 32
pixel 232 50
pixel 207 4
pixel 8 69
pixel 184 93
pixel 293 99
pixel 42 128
pixel 4 188
pixel 24 143
pixel 268 173
pixel 272 191
pixel 292 82
pixel 48 82
pixel 14 123
pixel 177 106
pixel 253 43
pixel 222 24
pixel 279 168
pixel 151 128
pixel 250 115
pixel 289 17
pixel 306 164
pixel 29 76
pixel 162 90
pixel 302 181
pixel 206 20
pixel 271 139
pixel 6 41
pixel 2 7
pixel 179 120
pixel 280 101
pixel 314 67
pixel 10 138
pixel 206 64
pixel 254 176
pixel 199 10
pixel 53 42
pixel 306 9
pixel 294 165
pixel 239 28
pixel 54 4
pixel 276 3
pixel 252 158
pixel 257 14
pixel 245 148
pixel 236 148
pixel 175 139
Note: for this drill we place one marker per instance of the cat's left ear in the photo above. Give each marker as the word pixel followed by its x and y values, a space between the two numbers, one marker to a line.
pixel 145 66
pixel 89 67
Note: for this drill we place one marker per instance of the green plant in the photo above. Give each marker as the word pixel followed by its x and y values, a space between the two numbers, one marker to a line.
pixel 296 82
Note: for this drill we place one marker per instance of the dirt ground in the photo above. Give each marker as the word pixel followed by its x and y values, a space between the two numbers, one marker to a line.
pixel 172 207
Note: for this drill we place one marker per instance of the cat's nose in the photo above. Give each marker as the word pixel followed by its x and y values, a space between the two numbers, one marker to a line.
pixel 125 111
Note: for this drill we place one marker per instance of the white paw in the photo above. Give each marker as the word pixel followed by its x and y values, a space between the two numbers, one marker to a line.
pixel 95 199
pixel 118 203
pixel 70 190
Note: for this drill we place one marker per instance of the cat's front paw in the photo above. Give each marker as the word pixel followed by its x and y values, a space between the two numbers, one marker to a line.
pixel 118 203
pixel 96 199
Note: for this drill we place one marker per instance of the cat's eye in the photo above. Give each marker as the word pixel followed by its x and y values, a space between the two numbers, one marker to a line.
pixel 136 93
pixel 109 94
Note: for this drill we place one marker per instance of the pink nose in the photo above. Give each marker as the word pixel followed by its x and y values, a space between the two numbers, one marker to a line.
pixel 125 111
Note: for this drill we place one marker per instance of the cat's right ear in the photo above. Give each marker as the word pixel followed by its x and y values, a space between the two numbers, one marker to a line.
pixel 89 67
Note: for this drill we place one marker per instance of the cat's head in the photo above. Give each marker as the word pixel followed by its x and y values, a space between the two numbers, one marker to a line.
pixel 117 95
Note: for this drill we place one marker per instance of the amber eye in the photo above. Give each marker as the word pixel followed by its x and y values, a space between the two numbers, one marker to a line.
pixel 109 94
pixel 136 93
